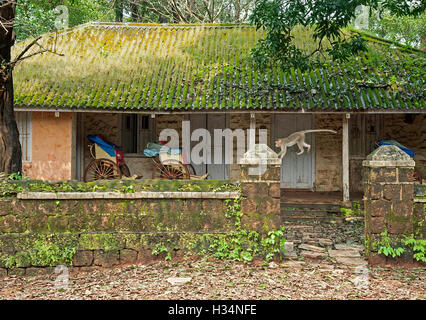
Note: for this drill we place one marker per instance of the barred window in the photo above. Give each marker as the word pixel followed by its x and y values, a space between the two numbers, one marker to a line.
pixel 25 128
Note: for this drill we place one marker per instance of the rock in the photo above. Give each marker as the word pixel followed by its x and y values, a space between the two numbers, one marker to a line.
pixel 83 258
pixel 354 247
pixel 289 246
pixel 344 253
pixel 325 242
pixel 290 254
pixel 106 259
pixel 16 272
pixel 354 219
pixel 3 273
pixel 128 256
pixel 178 281
pixel 289 250
pixel 309 247
pixel 351 261
pixel 293 264
pixel 272 265
pixel 313 254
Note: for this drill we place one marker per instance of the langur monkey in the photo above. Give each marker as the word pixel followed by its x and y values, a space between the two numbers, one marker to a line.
pixel 296 138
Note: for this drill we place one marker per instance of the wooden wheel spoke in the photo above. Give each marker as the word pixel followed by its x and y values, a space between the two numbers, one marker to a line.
pixel 100 169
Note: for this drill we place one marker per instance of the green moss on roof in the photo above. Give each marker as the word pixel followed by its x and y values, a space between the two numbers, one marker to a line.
pixel 184 67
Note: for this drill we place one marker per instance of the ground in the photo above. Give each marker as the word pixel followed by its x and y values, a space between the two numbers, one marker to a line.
pixel 213 279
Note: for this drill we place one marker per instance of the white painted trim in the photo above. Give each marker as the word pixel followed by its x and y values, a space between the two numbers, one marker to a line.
pixel 119 195
pixel 345 157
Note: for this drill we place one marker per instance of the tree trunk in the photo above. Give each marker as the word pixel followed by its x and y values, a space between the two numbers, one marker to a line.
pixel 118 7
pixel 10 148
pixel 134 10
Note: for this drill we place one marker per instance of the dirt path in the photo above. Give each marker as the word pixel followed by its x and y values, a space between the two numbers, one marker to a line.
pixel 224 280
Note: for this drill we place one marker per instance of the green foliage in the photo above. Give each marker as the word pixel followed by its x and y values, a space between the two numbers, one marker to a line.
pixel 36 17
pixel 164 248
pixel 384 245
pixel 409 30
pixel 227 187
pixel 418 246
pixel 243 245
pixel 48 251
pixel 327 19
pixel 189 187
pixel 388 247
pixel 355 211
pixel 234 211
pixel 128 189
pixel 17 176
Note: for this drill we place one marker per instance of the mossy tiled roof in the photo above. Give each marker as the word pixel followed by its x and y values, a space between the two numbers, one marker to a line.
pixel 194 67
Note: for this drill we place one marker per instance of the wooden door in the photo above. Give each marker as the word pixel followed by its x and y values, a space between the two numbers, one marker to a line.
pixel 210 122
pixel 198 121
pixel 217 171
pixel 297 172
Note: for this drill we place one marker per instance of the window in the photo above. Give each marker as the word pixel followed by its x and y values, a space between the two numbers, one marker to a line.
pixel 137 131
pixel 25 128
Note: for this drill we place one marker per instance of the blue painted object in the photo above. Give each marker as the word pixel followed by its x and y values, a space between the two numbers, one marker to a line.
pixel 394 143
pixel 108 147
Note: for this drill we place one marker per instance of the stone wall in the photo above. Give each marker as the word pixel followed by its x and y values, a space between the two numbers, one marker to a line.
pixel 328 153
pixel 389 203
pixel 419 216
pixel 106 229
pixel 260 189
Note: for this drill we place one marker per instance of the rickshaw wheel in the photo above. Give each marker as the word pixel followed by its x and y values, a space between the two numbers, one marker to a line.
pixel 174 170
pixel 101 169
pixel 125 171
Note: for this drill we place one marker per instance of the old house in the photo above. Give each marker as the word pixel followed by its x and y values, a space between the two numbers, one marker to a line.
pixel 130 81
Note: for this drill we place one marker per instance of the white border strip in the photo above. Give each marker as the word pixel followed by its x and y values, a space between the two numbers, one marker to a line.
pixel 118 195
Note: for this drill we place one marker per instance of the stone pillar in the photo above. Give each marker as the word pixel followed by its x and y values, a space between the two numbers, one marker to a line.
pixel 388 197
pixel 260 185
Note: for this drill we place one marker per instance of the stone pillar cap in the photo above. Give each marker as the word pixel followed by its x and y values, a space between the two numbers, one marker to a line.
pixel 388 156
pixel 260 154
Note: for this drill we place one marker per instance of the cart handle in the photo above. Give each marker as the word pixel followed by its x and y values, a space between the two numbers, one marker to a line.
pixel 91 150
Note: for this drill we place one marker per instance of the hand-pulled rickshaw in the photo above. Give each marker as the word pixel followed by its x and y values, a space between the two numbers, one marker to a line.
pixel 170 163
pixel 108 161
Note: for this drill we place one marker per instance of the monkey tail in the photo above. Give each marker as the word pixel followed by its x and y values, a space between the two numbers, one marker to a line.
pixel 320 130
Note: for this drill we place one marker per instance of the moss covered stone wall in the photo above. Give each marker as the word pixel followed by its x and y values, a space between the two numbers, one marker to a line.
pixel 42 226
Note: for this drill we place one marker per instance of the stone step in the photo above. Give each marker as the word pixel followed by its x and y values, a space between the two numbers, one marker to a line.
pixel 311 206
pixel 344 253
pixel 317 214
pixel 313 254
pixel 298 219
pixel 309 247
pixel 349 247
pixel 352 261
